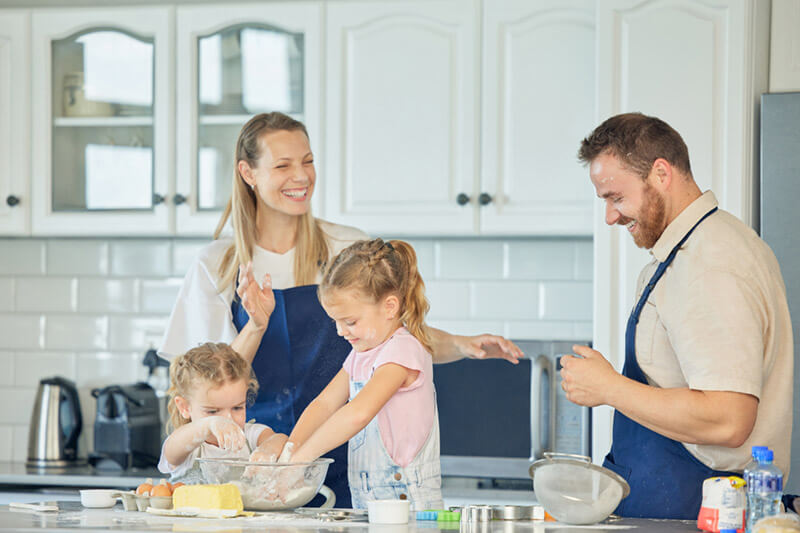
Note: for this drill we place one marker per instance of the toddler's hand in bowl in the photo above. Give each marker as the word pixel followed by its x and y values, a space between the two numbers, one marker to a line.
pixel 228 434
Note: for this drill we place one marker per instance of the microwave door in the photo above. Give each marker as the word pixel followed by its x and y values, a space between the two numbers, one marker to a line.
pixel 543 399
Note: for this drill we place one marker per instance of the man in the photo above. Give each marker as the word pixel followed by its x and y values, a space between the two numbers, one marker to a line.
pixel 708 347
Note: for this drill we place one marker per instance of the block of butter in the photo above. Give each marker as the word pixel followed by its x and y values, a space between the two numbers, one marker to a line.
pixel 225 496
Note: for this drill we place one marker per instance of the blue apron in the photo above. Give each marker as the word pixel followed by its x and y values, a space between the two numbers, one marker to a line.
pixel 299 354
pixel 666 480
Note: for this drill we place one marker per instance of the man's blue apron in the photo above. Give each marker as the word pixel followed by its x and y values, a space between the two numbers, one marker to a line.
pixel 666 480
pixel 299 354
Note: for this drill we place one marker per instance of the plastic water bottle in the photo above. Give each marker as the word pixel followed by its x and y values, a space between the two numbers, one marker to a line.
pixel 754 453
pixel 764 490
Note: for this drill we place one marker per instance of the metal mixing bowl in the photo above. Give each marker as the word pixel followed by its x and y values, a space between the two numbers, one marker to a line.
pixel 574 490
pixel 271 486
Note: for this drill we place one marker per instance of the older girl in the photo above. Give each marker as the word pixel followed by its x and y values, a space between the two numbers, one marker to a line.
pixel 383 400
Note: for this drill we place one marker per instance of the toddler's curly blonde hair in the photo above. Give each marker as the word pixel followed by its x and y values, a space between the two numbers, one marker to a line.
pixel 212 363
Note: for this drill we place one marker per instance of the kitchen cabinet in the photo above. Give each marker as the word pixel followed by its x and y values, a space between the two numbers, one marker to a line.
pixel 701 68
pixel 101 118
pixel 784 60
pixel 406 150
pixel 15 199
pixel 237 62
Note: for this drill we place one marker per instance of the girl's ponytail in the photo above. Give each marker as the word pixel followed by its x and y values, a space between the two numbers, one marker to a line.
pixel 415 305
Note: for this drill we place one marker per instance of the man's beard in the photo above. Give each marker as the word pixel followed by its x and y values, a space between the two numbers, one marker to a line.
pixel 651 219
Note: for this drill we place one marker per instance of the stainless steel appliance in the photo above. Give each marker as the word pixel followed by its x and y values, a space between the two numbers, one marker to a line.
pixel 55 424
pixel 495 417
pixel 780 218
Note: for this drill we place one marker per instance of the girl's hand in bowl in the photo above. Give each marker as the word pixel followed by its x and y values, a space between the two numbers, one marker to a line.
pixel 270 449
pixel 228 434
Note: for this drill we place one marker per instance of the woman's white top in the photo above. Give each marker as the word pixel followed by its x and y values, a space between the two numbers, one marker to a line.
pixel 202 312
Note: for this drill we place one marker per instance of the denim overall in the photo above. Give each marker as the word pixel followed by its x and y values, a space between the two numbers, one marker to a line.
pixel 375 476
pixel 666 480
pixel 299 354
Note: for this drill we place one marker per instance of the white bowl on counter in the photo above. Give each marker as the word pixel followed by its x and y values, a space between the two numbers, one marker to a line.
pixel 388 511
pixel 99 498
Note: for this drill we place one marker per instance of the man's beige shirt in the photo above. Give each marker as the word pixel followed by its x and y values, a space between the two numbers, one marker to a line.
pixel 718 320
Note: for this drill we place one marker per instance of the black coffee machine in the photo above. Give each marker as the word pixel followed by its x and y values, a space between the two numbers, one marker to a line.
pixel 127 427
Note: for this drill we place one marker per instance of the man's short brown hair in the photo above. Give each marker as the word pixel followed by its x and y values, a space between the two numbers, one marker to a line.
pixel 637 140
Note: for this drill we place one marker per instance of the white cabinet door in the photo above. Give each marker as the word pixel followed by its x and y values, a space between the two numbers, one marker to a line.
pixel 102 101
pixel 15 199
pixel 538 103
pixel 701 67
pixel 784 49
pixel 401 113
pixel 237 61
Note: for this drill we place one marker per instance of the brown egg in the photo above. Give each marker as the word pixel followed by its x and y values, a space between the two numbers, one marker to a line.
pixel 161 490
pixel 145 488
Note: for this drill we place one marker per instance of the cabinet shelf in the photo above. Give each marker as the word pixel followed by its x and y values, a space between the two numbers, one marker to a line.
pixel 105 122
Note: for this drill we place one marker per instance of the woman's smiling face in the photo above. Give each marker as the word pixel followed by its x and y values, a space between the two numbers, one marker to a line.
pixel 284 175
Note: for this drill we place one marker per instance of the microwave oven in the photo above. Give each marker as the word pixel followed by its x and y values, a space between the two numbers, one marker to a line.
pixel 496 417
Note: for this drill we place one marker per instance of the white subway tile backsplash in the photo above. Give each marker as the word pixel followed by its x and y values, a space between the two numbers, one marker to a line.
pixel 16 405
pixel 448 299
pixel 24 257
pixel 507 300
pixel 565 300
pixel 97 369
pixel 583 331
pixel 76 332
pixel 6 443
pixel 158 296
pixel 141 258
pixel 426 257
pixel 469 327
pixel 20 443
pixel 46 294
pixel 184 254
pixel 107 295
pixel 137 333
pixel 21 331
pixel 30 367
pixel 7 364
pixel 550 330
pixel 540 260
pixel 465 259
pixel 584 260
pixel 77 257
pixel 6 294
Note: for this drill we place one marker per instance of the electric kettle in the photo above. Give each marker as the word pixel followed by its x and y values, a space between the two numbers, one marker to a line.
pixel 55 424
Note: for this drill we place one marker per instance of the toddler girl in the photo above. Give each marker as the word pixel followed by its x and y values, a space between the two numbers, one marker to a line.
pixel 209 389
pixel 383 400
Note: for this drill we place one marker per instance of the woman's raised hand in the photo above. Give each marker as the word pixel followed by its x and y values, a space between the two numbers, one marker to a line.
pixel 228 434
pixel 259 302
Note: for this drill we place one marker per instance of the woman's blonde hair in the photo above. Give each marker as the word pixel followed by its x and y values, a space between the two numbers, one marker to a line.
pixel 215 364
pixel 311 249
pixel 377 269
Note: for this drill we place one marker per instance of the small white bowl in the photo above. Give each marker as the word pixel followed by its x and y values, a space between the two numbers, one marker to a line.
pixel 388 511
pixel 99 498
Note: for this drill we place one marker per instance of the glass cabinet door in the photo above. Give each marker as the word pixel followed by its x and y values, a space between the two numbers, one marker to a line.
pixel 102 102
pixel 242 70
pixel 236 63
pixel 102 118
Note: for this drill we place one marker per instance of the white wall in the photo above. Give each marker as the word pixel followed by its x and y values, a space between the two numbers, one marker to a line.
pixel 88 309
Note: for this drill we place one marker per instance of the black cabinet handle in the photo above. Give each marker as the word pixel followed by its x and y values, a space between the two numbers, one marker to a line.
pixel 179 199
pixel 462 199
pixel 158 199
pixel 12 200
pixel 484 198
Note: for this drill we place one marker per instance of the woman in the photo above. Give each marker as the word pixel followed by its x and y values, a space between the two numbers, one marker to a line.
pixel 280 326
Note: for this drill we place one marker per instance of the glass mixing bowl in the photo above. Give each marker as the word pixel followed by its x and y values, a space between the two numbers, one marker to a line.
pixel 271 486
pixel 574 490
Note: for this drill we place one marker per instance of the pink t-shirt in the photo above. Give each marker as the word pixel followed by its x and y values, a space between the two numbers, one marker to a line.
pixel 407 418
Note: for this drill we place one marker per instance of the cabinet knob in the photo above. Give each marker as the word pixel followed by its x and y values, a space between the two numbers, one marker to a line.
pixel 485 198
pixel 12 200
pixel 158 199
pixel 462 199
pixel 179 199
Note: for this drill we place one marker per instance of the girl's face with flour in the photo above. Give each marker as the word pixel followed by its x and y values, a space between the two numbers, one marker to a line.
pixel 363 322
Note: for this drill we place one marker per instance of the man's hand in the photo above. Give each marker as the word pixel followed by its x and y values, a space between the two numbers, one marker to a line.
pixel 588 378
pixel 487 347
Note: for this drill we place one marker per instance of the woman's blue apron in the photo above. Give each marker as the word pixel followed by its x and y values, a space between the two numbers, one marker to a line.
pixel 666 480
pixel 299 354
